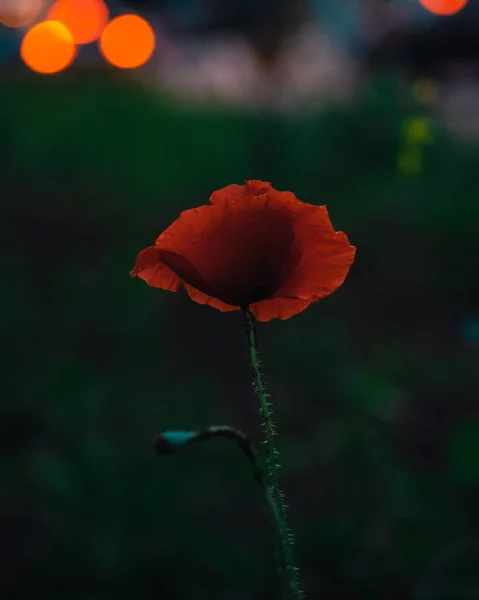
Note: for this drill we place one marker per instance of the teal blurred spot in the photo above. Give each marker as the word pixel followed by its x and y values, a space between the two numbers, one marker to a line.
pixel 470 330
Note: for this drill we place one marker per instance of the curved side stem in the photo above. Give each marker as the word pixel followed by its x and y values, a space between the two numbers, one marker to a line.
pixel 275 496
pixel 169 442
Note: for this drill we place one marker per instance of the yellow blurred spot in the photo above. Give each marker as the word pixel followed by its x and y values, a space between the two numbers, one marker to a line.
pixel 443 7
pixel 86 19
pixel 48 47
pixel 409 161
pixel 127 42
pixel 418 130
pixel 425 90
pixel 20 13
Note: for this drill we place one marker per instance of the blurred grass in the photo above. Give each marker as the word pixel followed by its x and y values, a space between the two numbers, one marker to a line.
pixel 379 440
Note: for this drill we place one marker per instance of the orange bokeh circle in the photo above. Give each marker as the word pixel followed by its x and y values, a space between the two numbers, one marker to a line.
pixel 20 13
pixel 86 19
pixel 127 42
pixel 48 47
pixel 443 7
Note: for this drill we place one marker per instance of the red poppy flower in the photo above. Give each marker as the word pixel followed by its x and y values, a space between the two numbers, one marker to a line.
pixel 251 247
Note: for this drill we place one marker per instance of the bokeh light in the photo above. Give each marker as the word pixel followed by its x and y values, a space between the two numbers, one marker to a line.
pixel 20 13
pixel 418 130
pixel 425 91
pixel 127 42
pixel 86 19
pixel 48 47
pixel 410 160
pixel 443 7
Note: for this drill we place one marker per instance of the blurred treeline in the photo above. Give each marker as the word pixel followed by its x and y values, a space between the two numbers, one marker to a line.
pixel 376 387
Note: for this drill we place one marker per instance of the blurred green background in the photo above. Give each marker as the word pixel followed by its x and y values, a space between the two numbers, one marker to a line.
pixel 376 387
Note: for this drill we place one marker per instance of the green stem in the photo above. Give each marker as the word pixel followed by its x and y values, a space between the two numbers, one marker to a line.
pixel 274 494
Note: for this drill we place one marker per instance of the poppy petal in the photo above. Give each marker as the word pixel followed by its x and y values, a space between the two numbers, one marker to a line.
pixel 235 252
pixel 252 246
pixel 150 268
pixel 279 308
pixel 235 192
pixel 184 269
pixel 230 193
pixel 201 298
pixel 326 257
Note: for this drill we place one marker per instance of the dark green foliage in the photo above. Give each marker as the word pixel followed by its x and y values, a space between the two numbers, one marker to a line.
pixel 376 390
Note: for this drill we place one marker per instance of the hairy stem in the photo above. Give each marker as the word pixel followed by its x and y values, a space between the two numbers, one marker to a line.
pixel 274 495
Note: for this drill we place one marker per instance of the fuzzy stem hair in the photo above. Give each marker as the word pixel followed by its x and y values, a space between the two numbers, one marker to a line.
pixel 275 496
